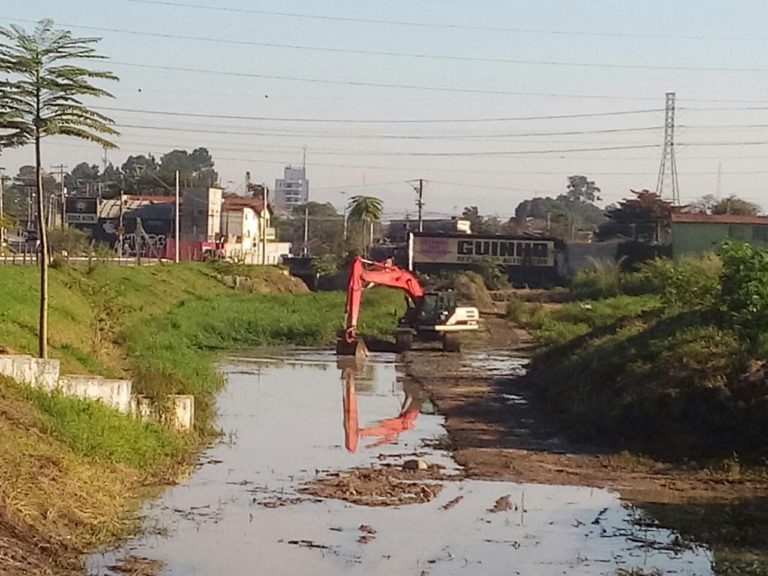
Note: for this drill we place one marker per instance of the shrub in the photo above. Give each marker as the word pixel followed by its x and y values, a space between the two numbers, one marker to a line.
pixel 685 284
pixel 603 280
pixel 515 310
pixel 743 297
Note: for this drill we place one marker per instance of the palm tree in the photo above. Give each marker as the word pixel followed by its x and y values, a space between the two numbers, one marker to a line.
pixel 41 94
pixel 365 210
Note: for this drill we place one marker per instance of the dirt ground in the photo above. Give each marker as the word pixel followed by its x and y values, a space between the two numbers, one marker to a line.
pixel 494 438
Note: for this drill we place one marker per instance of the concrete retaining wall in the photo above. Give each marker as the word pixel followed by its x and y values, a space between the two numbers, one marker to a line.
pixel 31 371
pixel 114 393
pixel 178 411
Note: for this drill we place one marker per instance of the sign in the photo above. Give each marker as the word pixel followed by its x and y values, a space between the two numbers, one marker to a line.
pixel 478 250
pixel 82 210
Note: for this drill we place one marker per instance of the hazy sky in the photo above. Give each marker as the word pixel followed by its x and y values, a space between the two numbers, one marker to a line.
pixel 269 62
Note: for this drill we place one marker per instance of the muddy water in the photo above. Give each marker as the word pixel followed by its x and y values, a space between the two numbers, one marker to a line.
pixel 284 423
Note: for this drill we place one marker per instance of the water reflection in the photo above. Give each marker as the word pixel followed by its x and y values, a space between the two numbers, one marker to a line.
pixel 240 513
pixel 387 430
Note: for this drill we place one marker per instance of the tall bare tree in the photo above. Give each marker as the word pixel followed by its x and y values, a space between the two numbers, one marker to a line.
pixel 42 93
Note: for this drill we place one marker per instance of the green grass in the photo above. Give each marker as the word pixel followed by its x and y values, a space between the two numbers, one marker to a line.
pixel 164 325
pixel 558 324
pixel 668 386
pixel 98 433
pixel 70 469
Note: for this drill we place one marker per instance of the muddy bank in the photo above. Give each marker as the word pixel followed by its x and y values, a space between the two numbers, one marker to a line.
pixel 498 432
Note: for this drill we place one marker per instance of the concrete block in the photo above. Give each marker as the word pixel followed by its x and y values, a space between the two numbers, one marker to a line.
pixel 113 393
pixel 182 415
pixel 141 407
pixel 31 371
pixel 176 411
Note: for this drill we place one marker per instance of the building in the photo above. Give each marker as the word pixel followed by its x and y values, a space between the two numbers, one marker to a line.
pixel 694 234
pixel 200 214
pixel 398 230
pixel 246 232
pixel 293 189
pixel 118 224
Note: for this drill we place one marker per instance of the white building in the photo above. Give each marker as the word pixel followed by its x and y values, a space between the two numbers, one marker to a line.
pixel 200 216
pixel 246 232
pixel 293 189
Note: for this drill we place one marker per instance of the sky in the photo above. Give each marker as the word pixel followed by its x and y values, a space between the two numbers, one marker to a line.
pixel 489 102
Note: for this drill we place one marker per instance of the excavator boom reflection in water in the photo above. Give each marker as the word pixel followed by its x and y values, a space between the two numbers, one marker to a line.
pixel 386 431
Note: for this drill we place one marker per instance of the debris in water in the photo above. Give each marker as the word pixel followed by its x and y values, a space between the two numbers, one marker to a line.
pixel 377 486
pixel 137 566
pixel 308 544
pixel 415 465
pixel 452 503
pixel 367 529
pixel 502 505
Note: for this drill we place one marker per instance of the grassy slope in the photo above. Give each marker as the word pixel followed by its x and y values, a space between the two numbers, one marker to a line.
pixel 626 371
pixel 69 470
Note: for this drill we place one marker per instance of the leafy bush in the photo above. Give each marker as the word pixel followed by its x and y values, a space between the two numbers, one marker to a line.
pixel 683 284
pixel 70 240
pixel 743 298
pixel 603 280
pixel 516 310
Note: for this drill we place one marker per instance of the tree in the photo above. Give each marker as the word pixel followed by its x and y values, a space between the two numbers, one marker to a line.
pixel 482 224
pixel 195 169
pixel 644 218
pixel 580 189
pixel 20 197
pixel 84 179
pixel 365 210
pixel 42 94
pixel 326 229
pixel 734 205
pixel 562 214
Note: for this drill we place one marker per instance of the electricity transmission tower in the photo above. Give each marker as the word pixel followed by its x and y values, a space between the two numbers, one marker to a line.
pixel 668 162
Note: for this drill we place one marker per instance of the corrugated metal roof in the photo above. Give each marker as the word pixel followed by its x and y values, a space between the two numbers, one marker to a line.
pixel 240 202
pixel 719 218
pixel 154 207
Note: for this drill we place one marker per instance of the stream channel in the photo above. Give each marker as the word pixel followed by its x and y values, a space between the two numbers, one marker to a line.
pixel 283 420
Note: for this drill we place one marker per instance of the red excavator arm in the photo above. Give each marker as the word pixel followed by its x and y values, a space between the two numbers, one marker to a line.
pixel 366 272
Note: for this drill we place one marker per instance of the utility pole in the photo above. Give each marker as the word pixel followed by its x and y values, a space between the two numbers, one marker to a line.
pixel 176 220
pixel 668 152
pixel 120 230
pixel 306 203
pixel 2 214
pixel 420 201
pixel 264 217
pixel 62 192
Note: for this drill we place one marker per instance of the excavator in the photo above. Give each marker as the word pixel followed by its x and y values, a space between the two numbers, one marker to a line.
pixel 430 316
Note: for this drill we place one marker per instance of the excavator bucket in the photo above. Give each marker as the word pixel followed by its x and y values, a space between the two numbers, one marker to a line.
pixel 355 347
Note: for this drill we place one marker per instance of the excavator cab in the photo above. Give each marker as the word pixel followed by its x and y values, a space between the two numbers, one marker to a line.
pixel 436 317
pixel 436 308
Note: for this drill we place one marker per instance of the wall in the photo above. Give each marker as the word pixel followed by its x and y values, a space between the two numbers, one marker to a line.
pixel 582 255
pixel 200 217
pixel 692 238
pixel 178 412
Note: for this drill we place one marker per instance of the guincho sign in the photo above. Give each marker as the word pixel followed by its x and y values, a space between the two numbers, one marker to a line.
pixel 475 250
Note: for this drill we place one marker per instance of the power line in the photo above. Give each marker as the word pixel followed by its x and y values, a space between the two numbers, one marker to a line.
pixel 417 55
pixel 422 24
pixel 394 121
